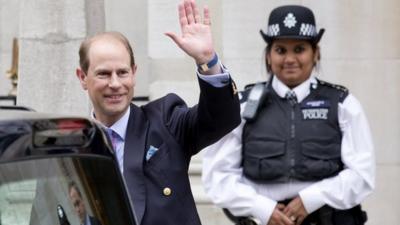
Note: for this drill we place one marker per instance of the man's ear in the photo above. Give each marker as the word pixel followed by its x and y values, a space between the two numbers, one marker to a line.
pixel 134 68
pixel 82 77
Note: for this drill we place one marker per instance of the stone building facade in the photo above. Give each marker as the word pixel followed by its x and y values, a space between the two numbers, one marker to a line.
pixel 360 50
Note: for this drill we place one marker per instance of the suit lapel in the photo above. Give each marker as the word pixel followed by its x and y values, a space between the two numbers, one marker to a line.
pixel 135 142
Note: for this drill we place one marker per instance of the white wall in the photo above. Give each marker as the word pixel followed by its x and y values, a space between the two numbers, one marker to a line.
pixel 9 25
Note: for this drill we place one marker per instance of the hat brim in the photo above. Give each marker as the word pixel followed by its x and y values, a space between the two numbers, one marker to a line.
pixel 315 39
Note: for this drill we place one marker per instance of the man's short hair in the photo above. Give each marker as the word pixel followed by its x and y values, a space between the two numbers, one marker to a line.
pixel 85 47
pixel 73 185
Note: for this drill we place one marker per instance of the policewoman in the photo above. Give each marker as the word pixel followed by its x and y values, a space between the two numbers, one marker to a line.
pixel 303 153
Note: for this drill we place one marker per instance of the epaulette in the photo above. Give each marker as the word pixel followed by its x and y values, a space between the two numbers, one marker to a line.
pixel 336 86
pixel 249 86
pixel 342 89
pixel 243 95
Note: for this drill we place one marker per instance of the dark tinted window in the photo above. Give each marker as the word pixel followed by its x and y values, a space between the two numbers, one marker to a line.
pixel 33 192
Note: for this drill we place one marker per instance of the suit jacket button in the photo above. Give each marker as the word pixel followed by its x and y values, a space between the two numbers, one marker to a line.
pixel 167 191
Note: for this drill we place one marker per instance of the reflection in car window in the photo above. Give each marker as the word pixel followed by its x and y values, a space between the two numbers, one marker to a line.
pixel 35 192
pixel 15 201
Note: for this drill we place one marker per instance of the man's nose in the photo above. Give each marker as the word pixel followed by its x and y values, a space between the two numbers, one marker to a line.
pixel 114 81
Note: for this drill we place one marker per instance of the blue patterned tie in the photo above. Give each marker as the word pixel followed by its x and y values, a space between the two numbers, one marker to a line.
pixel 114 138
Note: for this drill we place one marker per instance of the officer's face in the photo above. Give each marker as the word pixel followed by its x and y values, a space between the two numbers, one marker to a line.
pixel 292 60
pixel 110 79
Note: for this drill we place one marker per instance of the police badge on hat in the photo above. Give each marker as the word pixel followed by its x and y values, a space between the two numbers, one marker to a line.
pixel 292 21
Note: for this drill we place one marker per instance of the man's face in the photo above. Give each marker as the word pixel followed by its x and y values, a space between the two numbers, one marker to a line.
pixel 79 205
pixel 110 79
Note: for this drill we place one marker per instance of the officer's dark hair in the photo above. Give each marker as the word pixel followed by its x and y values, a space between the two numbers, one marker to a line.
pixel 267 50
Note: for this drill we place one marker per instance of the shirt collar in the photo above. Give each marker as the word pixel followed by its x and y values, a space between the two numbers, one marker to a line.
pixel 302 90
pixel 87 220
pixel 120 125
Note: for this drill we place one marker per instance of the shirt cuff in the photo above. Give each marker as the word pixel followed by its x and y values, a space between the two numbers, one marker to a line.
pixel 217 80
pixel 312 198
pixel 263 208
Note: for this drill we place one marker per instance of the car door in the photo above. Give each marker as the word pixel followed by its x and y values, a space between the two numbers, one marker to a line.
pixel 59 170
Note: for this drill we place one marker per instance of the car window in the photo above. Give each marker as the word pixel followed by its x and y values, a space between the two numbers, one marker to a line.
pixel 38 192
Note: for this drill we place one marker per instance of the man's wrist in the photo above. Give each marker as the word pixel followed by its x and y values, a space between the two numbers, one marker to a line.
pixel 204 67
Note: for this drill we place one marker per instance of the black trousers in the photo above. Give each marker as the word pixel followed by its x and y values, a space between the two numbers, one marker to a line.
pixel 326 215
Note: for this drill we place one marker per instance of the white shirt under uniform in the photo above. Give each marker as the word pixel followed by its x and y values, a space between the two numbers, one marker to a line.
pixel 227 186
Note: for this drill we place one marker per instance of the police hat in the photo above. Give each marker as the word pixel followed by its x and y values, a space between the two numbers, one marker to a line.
pixel 292 21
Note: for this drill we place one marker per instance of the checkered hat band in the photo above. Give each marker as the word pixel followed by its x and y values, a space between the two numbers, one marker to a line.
pixel 273 30
pixel 308 30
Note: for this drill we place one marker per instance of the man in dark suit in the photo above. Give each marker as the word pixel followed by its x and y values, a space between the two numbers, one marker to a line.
pixel 79 206
pixel 154 143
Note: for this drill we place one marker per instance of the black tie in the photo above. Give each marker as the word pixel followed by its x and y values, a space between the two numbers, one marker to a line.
pixel 291 97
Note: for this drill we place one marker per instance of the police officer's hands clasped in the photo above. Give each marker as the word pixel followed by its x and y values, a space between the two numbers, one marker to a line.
pixel 296 211
pixel 278 217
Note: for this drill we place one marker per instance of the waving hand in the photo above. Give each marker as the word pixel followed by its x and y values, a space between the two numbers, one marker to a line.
pixel 196 38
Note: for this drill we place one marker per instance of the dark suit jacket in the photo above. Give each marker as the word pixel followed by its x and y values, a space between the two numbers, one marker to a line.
pixel 94 221
pixel 178 132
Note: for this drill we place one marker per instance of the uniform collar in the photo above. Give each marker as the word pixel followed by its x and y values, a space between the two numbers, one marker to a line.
pixel 302 90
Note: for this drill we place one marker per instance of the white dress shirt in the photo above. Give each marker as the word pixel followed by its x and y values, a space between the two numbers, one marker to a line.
pixel 226 185
pixel 87 220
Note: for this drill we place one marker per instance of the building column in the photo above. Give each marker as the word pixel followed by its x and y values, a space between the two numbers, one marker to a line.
pixel 50 34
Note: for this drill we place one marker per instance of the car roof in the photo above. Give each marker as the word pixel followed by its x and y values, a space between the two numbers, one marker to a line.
pixel 13 114
pixel 45 133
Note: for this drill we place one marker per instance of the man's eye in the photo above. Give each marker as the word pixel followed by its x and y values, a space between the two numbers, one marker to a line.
pixel 102 74
pixel 123 73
